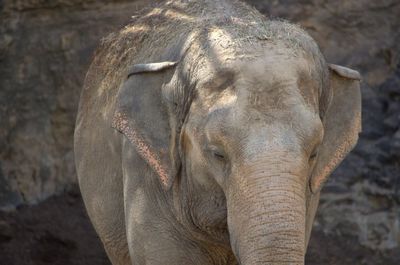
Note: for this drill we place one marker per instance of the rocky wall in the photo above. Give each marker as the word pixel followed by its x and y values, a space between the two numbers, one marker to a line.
pixel 46 47
pixel 45 50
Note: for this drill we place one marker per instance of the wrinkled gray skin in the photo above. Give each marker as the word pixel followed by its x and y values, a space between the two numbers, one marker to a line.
pixel 216 153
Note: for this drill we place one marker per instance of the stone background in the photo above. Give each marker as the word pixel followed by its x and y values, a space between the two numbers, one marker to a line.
pixel 46 47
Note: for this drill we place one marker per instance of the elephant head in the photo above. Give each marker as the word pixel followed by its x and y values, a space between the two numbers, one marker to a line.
pixel 242 138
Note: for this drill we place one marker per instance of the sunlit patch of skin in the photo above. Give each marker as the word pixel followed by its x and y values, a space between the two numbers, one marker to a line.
pixel 222 45
pixel 136 29
pixel 227 99
pixel 174 14
pixel 154 11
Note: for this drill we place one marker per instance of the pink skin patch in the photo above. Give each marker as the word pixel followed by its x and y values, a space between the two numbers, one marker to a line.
pixel 120 122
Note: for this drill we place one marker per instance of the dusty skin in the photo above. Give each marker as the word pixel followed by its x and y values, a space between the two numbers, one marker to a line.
pixel 215 150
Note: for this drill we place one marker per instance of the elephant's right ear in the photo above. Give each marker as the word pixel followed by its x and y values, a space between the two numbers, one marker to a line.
pixel 142 116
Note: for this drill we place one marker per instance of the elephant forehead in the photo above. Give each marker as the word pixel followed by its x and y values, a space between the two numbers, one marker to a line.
pixel 273 87
pixel 278 83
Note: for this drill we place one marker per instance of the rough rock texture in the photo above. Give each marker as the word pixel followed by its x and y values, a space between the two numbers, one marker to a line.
pixel 45 49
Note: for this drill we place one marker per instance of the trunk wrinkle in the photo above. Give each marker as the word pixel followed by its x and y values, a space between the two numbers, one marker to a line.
pixel 266 215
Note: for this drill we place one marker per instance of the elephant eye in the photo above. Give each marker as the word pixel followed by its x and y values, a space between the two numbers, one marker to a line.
pixel 313 155
pixel 218 155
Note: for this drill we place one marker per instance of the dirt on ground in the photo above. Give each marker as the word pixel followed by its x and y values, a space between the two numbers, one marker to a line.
pixel 58 232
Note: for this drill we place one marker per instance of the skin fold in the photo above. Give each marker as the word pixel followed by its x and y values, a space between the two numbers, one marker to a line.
pixel 205 133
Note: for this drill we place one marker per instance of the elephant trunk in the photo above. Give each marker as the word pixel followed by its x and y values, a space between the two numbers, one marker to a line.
pixel 266 215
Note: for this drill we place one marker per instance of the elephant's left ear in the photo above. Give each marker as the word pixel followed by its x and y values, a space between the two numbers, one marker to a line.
pixel 342 123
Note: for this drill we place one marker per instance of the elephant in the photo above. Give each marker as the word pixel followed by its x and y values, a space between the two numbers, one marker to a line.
pixel 205 132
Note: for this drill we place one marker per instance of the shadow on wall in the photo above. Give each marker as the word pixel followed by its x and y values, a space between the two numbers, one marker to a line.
pixel 45 49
